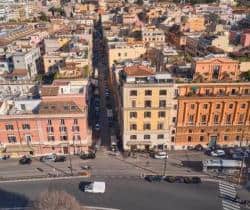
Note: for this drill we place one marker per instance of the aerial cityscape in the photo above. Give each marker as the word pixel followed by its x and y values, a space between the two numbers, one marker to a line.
pixel 124 104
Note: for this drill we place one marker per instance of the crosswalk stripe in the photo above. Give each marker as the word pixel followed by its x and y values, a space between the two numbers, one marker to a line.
pixel 228 192
pixel 226 187
pixel 230 205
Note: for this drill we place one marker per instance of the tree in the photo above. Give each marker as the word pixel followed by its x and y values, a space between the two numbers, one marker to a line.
pixel 55 200
pixel 245 75
pixel 44 17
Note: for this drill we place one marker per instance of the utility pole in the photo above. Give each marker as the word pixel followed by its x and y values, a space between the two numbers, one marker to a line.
pixel 70 162
pixel 165 166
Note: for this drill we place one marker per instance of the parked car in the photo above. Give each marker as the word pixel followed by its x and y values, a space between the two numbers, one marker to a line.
pixel 86 156
pixel 4 157
pixel 218 153
pixel 153 178
pixel 170 179
pixel 160 155
pixel 198 147
pixel 60 158
pixel 25 160
pixel 48 158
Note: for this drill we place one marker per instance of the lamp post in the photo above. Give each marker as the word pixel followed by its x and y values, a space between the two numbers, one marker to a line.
pixel 70 161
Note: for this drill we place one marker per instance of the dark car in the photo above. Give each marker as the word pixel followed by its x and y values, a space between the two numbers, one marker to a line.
pixel 25 160
pixel 170 179
pixel 198 147
pixel 86 156
pixel 60 158
pixel 153 178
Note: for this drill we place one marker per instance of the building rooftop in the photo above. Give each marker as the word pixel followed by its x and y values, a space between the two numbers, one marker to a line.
pixel 138 70
pixel 58 107
pixel 49 90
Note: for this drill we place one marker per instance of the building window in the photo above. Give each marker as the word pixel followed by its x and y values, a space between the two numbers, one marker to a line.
pixel 146 137
pixel 49 122
pixel 217 106
pixel 162 103
pixel 23 107
pixel 133 93
pixel 133 103
pixel 202 131
pixel 11 139
pixel 175 107
pixel 174 120
pixel 75 128
pixel 241 119
pixel 50 129
pixel 9 127
pixel 237 138
pixel 133 127
pixel 161 114
pixel 146 126
pixel 160 136
pixel 119 54
pixel 228 119
pixel 26 126
pixel 133 137
pixel 147 114
pixel 172 139
pixel 201 138
pixel 133 114
pixel 189 138
pixel 243 106
pixel 64 138
pixel 190 131
pixel 147 104
pixel 160 126
pixel 225 138
pixel 163 92
pixel 75 121
pixel 51 138
pixel 203 119
pixel 148 92
pixel 173 131
pixel 62 122
pixel 205 106
pixel 231 106
pixel 192 106
pixel 233 92
pixel 216 119
pixel 28 138
pixel 191 119
pixel 63 129
pixel 246 91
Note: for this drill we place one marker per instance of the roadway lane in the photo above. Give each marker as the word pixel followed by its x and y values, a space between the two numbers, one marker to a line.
pixel 125 194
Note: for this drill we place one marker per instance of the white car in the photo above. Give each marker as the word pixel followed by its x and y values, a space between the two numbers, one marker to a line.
pixel 160 155
pixel 218 153
pixel 95 187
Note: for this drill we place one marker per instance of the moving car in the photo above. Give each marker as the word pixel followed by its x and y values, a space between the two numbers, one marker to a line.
pixel 25 160
pixel 218 153
pixel 160 155
pixel 60 158
pixel 97 127
pixel 95 187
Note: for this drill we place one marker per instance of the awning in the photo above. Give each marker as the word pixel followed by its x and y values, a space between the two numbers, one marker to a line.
pixel 18 148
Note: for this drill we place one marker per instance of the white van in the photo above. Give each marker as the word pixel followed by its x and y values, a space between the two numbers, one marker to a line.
pixel 95 187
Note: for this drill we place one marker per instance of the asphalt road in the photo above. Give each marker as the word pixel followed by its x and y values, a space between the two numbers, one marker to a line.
pixel 125 194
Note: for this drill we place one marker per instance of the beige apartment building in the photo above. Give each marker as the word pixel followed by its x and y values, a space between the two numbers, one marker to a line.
pixel 153 35
pixel 119 51
pixel 147 109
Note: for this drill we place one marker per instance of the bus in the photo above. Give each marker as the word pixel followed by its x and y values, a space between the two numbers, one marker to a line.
pixel 223 166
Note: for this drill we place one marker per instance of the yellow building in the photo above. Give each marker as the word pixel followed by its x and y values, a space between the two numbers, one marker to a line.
pixel 193 24
pixel 147 109
pixel 222 42
pixel 52 61
pixel 119 51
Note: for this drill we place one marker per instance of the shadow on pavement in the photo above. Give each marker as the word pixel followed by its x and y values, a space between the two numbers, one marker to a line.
pixel 12 199
pixel 193 165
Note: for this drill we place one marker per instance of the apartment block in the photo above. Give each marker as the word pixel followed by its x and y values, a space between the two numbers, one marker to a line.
pixel 55 123
pixel 147 109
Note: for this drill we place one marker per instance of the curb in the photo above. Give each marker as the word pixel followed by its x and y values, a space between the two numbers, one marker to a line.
pixel 43 179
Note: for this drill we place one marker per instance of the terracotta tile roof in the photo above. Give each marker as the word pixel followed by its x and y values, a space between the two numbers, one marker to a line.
pixel 17 73
pixel 221 60
pixel 138 70
pixel 49 91
pixel 58 107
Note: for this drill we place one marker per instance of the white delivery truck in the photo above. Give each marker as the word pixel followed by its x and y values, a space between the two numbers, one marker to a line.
pixel 95 187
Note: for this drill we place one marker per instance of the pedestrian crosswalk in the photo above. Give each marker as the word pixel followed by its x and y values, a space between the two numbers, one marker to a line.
pixel 228 193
